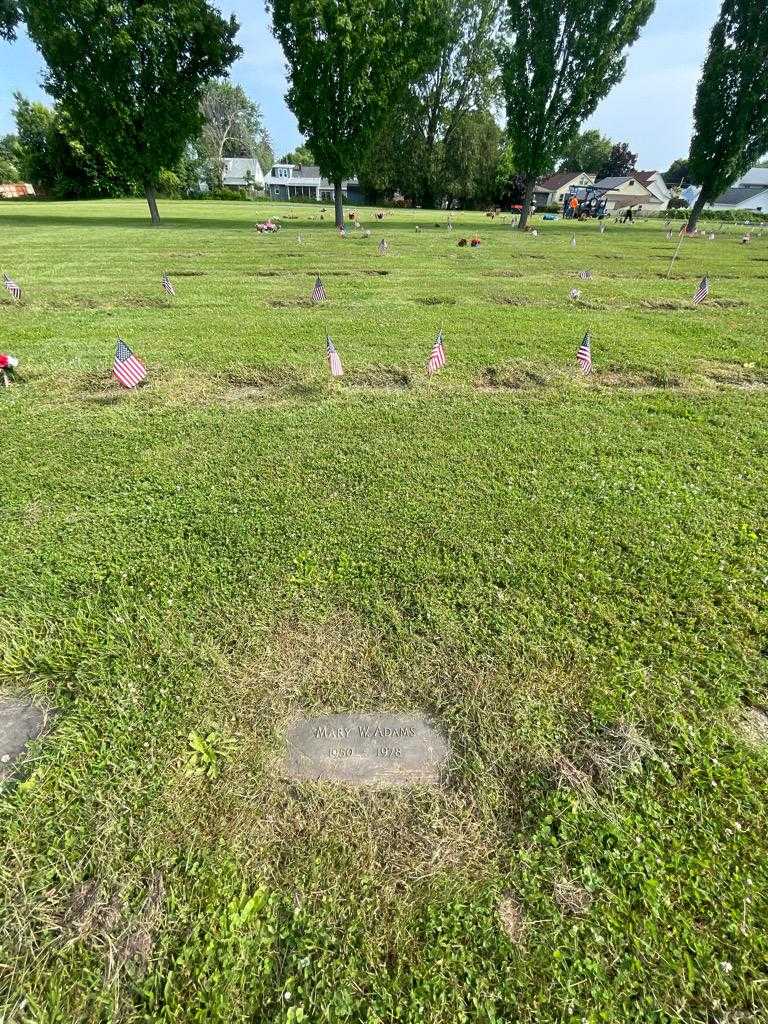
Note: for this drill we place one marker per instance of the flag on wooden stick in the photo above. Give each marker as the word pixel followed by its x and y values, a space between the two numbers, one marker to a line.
pixel 701 292
pixel 127 368
pixel 167 286
pixel 318 292
pixel 334 361
pixel 12 287
pixel 584 354
pixel 436 359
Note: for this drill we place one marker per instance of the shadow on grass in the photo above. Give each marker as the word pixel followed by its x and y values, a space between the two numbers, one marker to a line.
pixel 54 219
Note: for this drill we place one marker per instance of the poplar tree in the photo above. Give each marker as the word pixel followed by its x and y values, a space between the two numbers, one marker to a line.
pixel 559 58
pixel 349 61
pixel 731 111
pixel 129 74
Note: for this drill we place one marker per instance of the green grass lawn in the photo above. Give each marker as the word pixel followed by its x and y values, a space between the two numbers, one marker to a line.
pixel 567 573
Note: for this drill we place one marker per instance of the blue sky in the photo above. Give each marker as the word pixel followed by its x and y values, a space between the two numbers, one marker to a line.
pixel 650 109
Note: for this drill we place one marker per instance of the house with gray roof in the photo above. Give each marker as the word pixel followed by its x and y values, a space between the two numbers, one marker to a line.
pixel 304 181
pixel 743 197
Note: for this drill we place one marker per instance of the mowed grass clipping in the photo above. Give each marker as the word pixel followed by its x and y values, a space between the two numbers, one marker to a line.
pixel 568 574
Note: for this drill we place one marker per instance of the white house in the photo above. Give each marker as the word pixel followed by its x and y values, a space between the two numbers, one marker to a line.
pixel 655 184
pixel 627 190
pixel 551 191
pixel 242 172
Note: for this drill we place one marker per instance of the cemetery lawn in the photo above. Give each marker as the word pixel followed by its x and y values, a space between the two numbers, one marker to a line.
pixel 568 574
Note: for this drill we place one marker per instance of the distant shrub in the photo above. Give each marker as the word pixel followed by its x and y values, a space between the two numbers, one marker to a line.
pixel 169 184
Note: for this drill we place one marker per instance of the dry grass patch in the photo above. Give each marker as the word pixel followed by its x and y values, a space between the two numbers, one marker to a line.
pixel 512 378
pixel 635 379
pixel 186 273
pixel 511 919
pixel 735 375
pixel 379 377
pixel 571 898
pixel 435 300
pixel 291 303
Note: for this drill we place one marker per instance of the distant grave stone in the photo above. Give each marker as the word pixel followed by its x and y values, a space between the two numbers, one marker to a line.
pixel 20 722
pixel 366 749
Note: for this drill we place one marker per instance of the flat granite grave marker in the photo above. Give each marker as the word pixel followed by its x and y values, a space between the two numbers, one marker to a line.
pixel 365 749
pixel 20 722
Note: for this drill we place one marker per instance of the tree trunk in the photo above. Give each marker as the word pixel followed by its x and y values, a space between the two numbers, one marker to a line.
pixel 530 184
pixel 338 202
pixel 696 209
pixel 151 195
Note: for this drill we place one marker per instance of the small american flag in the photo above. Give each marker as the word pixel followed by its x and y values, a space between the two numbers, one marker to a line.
pixel 337 370
pixel 585 275
pixel 167 286
pixel 602 229
pixel 437 356
pixel 12 287
pixel 128 369
pixel 383 247
pixel 318 292
pixel 701 292
pixel 584 355
pixel 573 242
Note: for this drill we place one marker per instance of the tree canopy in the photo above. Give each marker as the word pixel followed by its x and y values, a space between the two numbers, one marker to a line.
pixel 679 172
pixel 9 19
pixel 232 126
pixel 621 160
pixel 301 155
pixel 348 62
pixel 129 75
pixel 731 111
pixel 559 58
pixel 588 151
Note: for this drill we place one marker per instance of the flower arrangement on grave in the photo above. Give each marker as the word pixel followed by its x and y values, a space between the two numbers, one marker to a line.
pixel 8 366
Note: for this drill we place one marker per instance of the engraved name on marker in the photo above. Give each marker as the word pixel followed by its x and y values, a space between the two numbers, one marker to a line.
pixel 361 749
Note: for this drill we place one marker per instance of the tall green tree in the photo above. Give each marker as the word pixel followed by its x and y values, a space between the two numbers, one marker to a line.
pixel 349 61
pixel 9 19
pixel 588 151
pixel 621 161
pixel 129 74
pixel 232 126
pixel 49 155
pixel 559 58
pixel 9 158
pixel 301 155
pixel 730 116
pixel 678 173
pixel 425 134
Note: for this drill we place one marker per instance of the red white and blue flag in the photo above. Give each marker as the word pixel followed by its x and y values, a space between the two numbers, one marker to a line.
pixel 128 368
pixel 437 356
pixel 584 354
pixel 334 360
pixel 701 292
pixel 167 286
pixel 12 287
pixel 318 292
